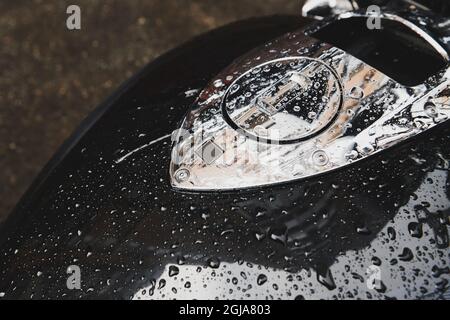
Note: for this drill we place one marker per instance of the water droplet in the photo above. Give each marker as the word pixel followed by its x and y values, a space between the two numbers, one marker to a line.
pixel 391 233
pixel 218 83
pixel 437 272
pixel 312 114
pixel 161 284
pixel 379 286
pixel 173 271
pixel 376 261
pixel 279 235
pixel 262 278
pixel 181 260
pixel 415 229
pixel 213 263
pixel 327 280
pixel 356 93
pixel 364 230
pixel 260 235
pixel 406 255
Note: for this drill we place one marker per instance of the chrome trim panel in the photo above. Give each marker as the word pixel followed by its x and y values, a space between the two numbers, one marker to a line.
pixel 376 112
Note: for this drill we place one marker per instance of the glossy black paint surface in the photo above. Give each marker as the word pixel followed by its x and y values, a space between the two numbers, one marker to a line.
pixel 133 236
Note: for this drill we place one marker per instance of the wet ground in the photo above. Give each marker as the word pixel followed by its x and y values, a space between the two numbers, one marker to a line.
pixel 51 78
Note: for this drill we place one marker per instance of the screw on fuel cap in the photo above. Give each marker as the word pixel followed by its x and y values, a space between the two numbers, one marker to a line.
pixel 182 175
pixel 320 158
pixel 284 100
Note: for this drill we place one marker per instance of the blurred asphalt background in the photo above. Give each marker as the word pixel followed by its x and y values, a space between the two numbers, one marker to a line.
pixel 51 78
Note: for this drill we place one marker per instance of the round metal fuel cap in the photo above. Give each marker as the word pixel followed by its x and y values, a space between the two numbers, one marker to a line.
pixel 284 100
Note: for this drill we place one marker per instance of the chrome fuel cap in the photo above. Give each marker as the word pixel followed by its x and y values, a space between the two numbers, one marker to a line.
pixel 284 101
